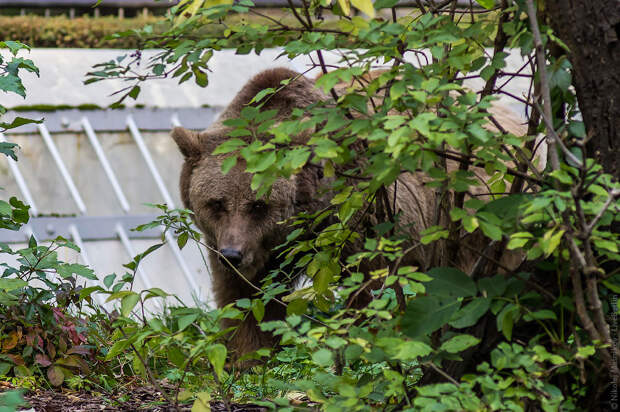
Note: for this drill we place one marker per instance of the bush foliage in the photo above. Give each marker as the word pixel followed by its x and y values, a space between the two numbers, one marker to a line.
pixel 541 336
pixel 81 32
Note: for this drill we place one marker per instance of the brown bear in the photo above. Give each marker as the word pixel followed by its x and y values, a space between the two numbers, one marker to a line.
pixel 242 231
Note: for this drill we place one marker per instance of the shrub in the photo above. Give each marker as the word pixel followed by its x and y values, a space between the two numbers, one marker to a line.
pixel 490 339
pixel 81 32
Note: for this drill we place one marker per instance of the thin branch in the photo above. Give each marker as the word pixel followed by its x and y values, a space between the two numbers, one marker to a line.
pixel 297 16
pixel 460 158
pixel 332 91
pixel 544 83
pixel 555 138
pixel 421 6
pixel 441 372
pixel 614 194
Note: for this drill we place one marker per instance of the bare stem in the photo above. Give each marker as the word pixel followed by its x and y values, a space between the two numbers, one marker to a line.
pixel 614 194
pixel 544 83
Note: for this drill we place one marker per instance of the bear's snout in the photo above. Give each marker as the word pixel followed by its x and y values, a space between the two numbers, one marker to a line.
pixel 233 256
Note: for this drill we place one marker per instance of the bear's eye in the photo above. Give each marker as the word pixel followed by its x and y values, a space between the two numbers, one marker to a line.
pixel 215 205
pixel 258 208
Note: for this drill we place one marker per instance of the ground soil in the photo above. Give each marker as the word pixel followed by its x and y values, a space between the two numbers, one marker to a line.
pixel 133 399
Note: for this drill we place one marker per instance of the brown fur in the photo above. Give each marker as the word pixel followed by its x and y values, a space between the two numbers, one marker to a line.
pixel 228 213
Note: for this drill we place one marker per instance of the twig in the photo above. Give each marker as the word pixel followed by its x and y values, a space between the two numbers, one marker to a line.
pixel 557 139
pixel 615 193
pixel 332 91
pixel 501 40
pixel 441 372
pixel 297 16
pixel 544 83
pixel 460 158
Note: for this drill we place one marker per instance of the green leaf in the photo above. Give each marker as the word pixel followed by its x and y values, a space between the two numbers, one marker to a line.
pixel 260 95
pixel 584 352
pixel 84 292
pixel 228 164
pixel 519 239
pixel 9 284
pixel 540 314
pixel 10 83
pixel 614 288
pixel 108 280
pixel 182 240
pixel 459 343
pixel 335 342
pixel 217 356
pixel 201 78
pixel 16 122
pixel 506 318
pixel 258 309
pixel 154 292
pixel 8 149
pixel 176 355
pixel 128 303
pixel 119 295
pixel 457 214
pixel 117 348
pixel 469 314
pixel 68 269
pixel 494 286
pixel 158 69
pixel 433 233
pixel 244 303
pixel 321 280
pixel 261 162
pixel 450 282
pixel 13 46
pixel 385 4
pixel 297 307
pixel 323 357
pixel 228 146
pixel 491 231
pixel 397 90
pixel 11 400
pixel 426 314
pixel 134 92
pixel 470 223
pixel 412 350
pixel 187 320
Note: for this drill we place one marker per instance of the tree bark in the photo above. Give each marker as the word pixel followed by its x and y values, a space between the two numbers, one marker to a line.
pixel 591 29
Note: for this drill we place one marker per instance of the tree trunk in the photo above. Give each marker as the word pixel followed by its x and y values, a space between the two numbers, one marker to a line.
pixel 591 29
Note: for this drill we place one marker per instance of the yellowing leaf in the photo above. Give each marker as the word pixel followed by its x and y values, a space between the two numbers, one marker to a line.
pixel 365 6
pixel 211 3
pixel 344 5
pixel 10 342
pixel 551 241
pixel 201 404
pixel 55 375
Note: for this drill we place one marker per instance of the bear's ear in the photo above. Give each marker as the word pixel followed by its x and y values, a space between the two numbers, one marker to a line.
pixel 187 140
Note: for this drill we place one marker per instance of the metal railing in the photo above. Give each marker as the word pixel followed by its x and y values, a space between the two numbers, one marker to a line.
pixel 83 227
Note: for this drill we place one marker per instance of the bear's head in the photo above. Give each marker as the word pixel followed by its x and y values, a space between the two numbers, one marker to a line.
pixel 240 229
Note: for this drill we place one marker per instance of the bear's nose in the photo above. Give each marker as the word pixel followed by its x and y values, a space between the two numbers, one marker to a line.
pixel 233 256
